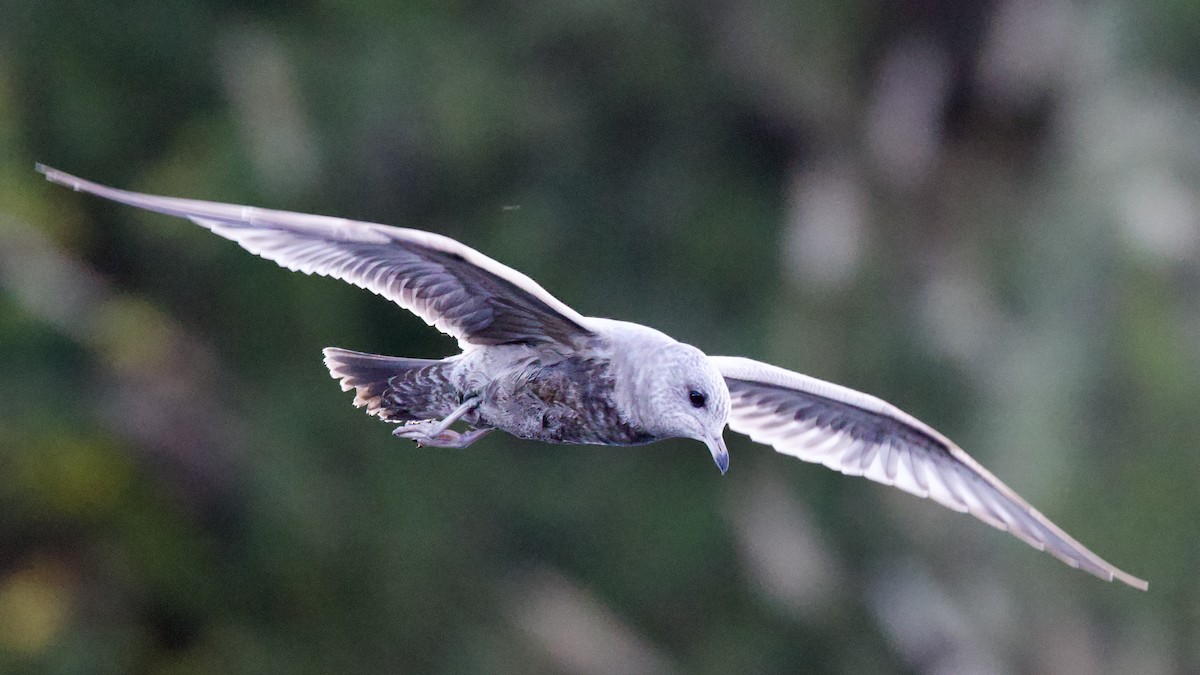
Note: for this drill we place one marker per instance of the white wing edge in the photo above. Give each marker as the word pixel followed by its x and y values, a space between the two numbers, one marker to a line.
pixel 741 368
pixel 210 215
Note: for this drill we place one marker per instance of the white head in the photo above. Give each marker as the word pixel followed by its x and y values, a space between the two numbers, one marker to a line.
pixel 686 397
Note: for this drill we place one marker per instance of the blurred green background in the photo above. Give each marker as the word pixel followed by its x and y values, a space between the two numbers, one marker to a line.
pixel 985 212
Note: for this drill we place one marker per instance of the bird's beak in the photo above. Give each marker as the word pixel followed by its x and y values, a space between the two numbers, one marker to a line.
pixel 720 454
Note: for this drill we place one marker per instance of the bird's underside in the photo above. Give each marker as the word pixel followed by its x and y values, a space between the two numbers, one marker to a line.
pixel 571 395
pixel 555 400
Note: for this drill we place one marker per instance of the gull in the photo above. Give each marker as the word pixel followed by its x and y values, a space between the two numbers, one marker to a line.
pixel 535 368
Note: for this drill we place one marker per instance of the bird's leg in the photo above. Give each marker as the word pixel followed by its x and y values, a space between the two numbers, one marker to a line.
pixel 437 433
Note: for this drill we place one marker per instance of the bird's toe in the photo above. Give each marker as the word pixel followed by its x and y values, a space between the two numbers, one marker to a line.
pixel 416 430
pixel 423 432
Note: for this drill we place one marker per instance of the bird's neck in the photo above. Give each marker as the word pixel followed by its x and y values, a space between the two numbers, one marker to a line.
pixel 638 371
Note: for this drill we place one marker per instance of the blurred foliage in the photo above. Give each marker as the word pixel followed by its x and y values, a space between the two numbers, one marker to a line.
pixel 985 212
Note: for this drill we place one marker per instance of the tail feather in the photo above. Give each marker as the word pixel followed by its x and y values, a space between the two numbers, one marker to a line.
pixel 395 388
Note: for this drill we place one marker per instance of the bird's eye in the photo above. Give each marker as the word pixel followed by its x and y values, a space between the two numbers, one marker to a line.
pixel 697 399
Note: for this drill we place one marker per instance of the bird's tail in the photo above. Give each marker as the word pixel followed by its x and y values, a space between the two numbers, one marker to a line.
pixel 397 389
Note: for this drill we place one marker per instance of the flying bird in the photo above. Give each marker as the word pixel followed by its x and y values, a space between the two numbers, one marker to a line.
pixel 535 368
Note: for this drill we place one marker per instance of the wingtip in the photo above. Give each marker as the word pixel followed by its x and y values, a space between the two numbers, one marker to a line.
pixel 60 177
pixel 1140 584
pixel 52 174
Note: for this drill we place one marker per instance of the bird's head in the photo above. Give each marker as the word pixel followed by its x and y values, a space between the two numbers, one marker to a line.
pixel 688 398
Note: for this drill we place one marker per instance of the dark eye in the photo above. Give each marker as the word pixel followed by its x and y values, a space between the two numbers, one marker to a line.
pixel 697 399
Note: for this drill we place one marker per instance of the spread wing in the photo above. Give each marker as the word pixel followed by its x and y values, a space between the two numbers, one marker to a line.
pixel 861 435
pixel 462 292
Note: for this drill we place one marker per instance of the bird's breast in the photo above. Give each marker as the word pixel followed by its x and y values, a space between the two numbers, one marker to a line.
pixel 569 401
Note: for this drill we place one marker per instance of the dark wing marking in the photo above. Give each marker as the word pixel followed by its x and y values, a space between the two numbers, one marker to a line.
pixel 451 286
pixel 861 435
